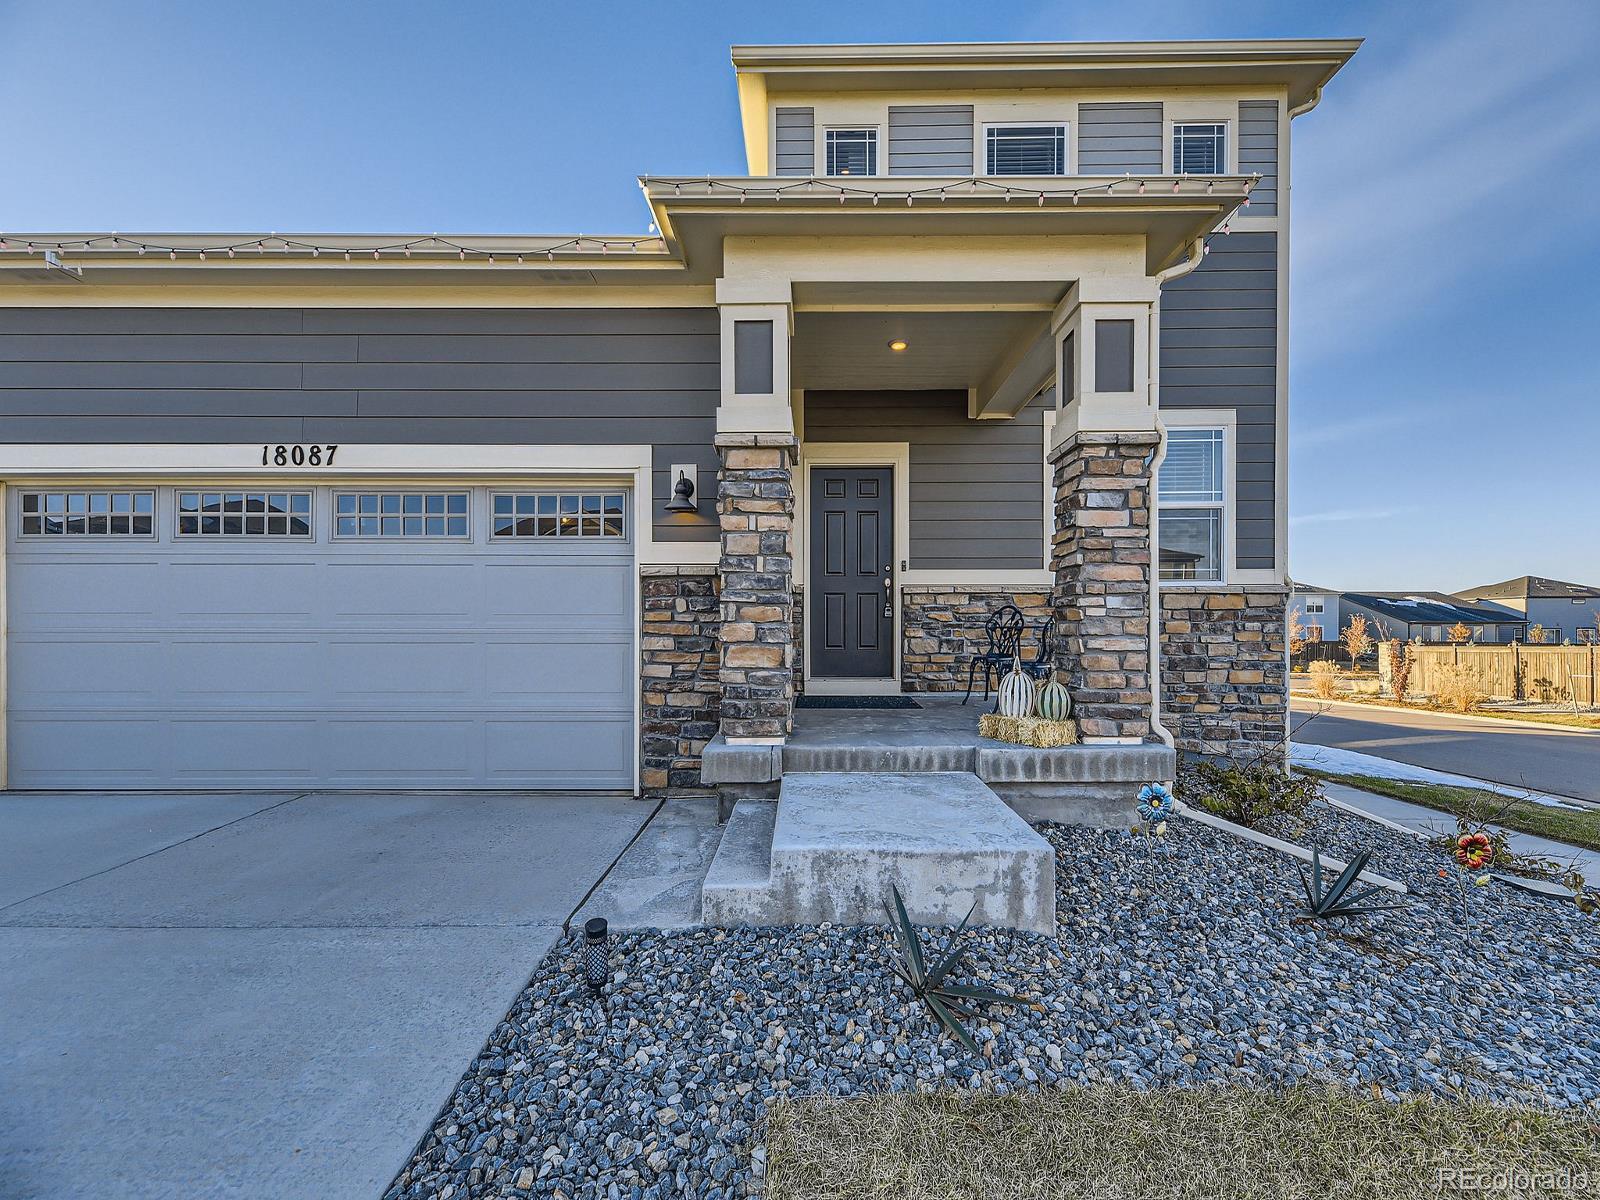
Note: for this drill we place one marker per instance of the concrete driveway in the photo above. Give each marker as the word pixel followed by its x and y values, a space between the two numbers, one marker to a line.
pixel 264 995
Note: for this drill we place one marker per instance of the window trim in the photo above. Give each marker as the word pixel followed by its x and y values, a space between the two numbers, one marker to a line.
pixel 625 538
pixel 1229 150
pixel 826 132
pixel 178 491
pixel 333 515
pixel 1068 147
pixel 154 514
pixel 1223 420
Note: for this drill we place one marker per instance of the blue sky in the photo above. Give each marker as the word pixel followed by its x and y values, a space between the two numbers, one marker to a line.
pixel 1444 381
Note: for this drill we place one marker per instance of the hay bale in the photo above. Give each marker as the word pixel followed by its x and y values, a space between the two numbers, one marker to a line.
pixel 1028 731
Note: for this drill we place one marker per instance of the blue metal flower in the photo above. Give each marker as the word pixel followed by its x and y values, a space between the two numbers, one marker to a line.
pixel 1155 803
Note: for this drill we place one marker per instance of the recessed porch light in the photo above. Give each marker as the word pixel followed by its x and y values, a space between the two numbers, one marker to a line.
pixel 897 345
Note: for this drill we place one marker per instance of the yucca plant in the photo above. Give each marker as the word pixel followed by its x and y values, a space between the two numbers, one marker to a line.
pixel 1338 900
pixel 947 1001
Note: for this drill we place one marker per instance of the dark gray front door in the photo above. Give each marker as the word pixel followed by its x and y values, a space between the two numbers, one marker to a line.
pixel 852 573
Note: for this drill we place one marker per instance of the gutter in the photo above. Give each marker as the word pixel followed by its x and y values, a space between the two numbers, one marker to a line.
pixel 1305 106
pixel 1196 255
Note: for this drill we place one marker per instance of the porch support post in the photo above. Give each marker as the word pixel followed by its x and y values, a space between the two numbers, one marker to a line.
pixel 755 509
pixel 1103 548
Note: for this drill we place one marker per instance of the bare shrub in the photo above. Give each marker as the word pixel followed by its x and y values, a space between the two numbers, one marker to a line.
pixel 1401 658
pixel 1296 631
pixel 1460 632
pixel 1325 679
pixel 1357 639
pixel 1459 688
pixel 1538 635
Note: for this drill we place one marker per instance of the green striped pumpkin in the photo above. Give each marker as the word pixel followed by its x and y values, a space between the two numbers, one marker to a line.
pixel 1055 704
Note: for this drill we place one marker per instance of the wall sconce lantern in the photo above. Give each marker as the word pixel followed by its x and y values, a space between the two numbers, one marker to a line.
pixel 683 492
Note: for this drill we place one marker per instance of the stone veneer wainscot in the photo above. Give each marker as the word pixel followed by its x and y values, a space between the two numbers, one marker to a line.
pixel 1224 674
pixel 681 696
pixel 942 628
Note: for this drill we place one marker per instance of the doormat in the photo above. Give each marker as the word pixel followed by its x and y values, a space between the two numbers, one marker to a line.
pixel 855 702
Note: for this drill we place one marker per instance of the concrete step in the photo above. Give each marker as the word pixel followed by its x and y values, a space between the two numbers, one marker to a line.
pixel 866 756
pixel 737 888
pixel 840 839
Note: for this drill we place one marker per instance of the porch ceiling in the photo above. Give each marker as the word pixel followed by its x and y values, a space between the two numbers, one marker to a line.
pixel 850 350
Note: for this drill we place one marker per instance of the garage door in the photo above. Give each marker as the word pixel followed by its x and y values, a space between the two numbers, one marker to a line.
pixel 379 636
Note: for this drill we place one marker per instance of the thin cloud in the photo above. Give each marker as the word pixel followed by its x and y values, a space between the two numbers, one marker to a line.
pixel 1415 170
pixel 1351 430
pixel 1345 515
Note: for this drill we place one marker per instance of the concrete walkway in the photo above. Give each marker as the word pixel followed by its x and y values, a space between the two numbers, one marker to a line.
pixel 265 995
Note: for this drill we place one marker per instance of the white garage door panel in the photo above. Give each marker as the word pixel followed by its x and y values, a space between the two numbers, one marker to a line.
pixel 557 675
pixel 194 662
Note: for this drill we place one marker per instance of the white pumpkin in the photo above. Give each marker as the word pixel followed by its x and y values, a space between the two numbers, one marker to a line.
pixel 1016 692
pixel 1055 703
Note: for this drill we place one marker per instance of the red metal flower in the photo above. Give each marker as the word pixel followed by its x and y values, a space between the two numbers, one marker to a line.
pixel 1474 850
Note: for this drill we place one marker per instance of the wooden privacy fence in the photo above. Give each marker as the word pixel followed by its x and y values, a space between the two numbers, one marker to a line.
pixel 1512 672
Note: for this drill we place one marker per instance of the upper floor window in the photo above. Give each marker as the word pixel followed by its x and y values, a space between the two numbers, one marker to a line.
pixel 1200 149
pixel 1025 149
pixel 1191 496
pixel 852 151
pixel 1314 607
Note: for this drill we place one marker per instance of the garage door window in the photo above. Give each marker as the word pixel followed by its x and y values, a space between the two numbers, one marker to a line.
pixel 559 515
pixel 400 515
pixel 90 514
pixel 244 514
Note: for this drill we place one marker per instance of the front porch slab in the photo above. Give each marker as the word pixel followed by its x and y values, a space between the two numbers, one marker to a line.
pixel 840 840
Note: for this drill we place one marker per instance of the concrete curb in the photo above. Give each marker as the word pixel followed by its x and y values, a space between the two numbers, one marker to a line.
pixel 1355 811
pixel 1473 718
pixel 1289 848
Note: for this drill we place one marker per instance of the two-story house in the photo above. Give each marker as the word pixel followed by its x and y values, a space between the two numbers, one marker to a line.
pixel 981 323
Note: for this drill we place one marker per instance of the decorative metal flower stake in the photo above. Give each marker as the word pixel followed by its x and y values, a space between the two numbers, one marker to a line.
pixel 1474 852
pixel 1155 806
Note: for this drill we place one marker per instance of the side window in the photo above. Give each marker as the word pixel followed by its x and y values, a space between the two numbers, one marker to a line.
pixel 1192 505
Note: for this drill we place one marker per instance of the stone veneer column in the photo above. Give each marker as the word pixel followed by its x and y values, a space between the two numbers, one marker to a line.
pixel 1101 554
pixel 755 506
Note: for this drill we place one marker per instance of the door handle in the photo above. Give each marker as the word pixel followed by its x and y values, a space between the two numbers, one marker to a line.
pixel 888 591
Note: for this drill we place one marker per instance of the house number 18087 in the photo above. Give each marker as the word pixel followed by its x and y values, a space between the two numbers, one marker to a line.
pixel 298 456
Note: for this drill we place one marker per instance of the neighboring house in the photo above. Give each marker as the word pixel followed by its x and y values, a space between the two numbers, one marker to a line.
pixel 552 511
pixel 1319 611
pixel 1429 617
pixel 1565 611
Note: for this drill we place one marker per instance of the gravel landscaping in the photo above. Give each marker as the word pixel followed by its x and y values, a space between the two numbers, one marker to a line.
pixel 1176 965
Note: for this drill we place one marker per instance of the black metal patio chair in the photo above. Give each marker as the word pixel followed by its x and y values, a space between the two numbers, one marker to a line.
pixel 1043 666
pixel 1003 630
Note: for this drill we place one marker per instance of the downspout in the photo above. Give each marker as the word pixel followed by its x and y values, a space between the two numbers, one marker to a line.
pixel 1197 253
pixel 1311 102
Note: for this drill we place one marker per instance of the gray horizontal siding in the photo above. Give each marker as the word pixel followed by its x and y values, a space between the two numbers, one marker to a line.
pixel 930 139
pixel 1258 153
pixel 796 141
pixel 1219 331
pixel 412 376
pixel 1119 139
pixel 977 487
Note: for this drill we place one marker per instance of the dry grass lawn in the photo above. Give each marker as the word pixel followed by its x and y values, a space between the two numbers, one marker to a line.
pixel 1112 1143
